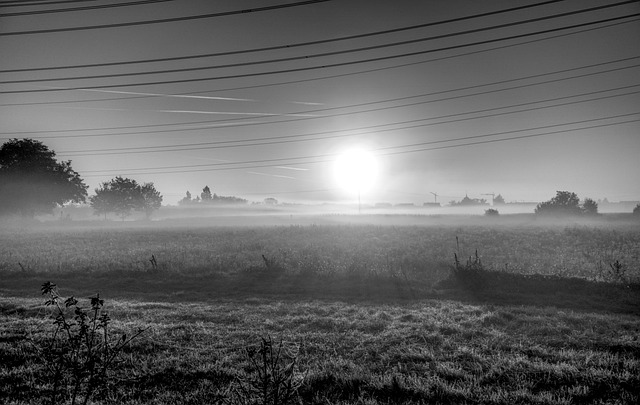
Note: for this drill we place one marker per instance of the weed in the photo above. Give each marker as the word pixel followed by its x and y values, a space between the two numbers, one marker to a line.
pixel 272 379
pixel 617 272
pixel 154 263
pixel 80 354
pixel 472 275
pixel 273 266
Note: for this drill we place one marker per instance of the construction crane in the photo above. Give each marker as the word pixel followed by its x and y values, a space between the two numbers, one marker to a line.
pixel 493 197
pixel 435 197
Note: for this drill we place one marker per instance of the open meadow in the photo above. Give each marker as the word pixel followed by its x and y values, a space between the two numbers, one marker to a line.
pixel 327 309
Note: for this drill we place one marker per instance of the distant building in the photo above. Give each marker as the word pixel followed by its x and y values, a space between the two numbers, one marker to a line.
pixel 466 201
pixel 431 205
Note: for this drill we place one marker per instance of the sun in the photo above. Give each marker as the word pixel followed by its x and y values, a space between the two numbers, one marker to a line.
pixel 355 170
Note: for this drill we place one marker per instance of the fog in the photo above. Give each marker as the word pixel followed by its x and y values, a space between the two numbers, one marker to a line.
pixel 247 215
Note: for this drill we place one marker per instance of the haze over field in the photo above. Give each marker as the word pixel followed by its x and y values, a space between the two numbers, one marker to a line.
pixel 261 99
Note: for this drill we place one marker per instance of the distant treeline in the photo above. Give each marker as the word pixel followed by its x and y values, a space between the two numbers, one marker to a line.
pixel 206 197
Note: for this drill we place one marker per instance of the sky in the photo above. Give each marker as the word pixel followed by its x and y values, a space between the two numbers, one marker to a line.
pixel 260 99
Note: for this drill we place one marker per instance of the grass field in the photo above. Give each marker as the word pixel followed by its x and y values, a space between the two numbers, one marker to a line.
pixel 367 313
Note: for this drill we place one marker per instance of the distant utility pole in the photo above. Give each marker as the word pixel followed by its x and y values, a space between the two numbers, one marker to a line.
pixel 435 197
pixel 493 197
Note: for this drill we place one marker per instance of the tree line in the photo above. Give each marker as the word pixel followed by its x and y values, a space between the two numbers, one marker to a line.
pixel 33 182
pixel 206 197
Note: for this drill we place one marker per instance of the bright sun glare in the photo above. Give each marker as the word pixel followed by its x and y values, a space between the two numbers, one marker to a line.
pixel 356 170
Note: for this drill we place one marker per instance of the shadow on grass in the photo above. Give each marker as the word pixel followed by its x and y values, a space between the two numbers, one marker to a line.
pixel 495 287
pixel 478 286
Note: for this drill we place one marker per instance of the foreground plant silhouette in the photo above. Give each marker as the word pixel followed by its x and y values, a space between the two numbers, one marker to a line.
pixel 272 379
pixel 81 355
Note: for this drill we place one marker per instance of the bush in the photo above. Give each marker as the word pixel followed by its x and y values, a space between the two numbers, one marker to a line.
pixel 566 203
pixel 491 212
pixel 636 210
pixel 80 354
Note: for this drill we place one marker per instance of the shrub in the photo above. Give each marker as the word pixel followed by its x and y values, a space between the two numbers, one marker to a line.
pixel 636 210
pixel 80 354
pixel 491 212
pixel 567 203
pixel 564 203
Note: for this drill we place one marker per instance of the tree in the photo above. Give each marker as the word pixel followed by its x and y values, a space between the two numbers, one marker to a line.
pixel 636 210
pixel 498 200
pixel 206 195
pixel 151 199
pixel 119 195
pixel 186 200
pixel 103 201
pixel 32 181
pixel 566 203
pixel 589 207
pixel 123 195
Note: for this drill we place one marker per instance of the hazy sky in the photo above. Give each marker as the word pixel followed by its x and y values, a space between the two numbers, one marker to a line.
pixel 257 100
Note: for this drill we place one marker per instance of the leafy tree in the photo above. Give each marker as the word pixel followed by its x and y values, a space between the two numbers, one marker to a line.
pixel 32 181
pixel 499 199
pixel 103 201
pixel 186 200
pixel 589 207
pixel 123 195
pixel 206 194
pixel 564 203
pixel 151 199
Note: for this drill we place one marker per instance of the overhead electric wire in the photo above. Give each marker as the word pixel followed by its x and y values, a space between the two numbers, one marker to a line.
pixel 341 64
pixel 350 113
pixel 287 46
pixel 409 121
pixel 25 3
pixel 321 55
pixel 165 20
pixel 286 139
pixel 84 8
pixel 338 75
pixel 324 158
pixel 369 103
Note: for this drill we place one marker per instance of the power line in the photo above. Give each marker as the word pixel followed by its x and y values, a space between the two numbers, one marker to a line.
pixel 326 76
pixel 165 20
pixel 84 8
pixel 400 106
pixel 26 3
pixel 324 158
pixel 287 46
pixel 313 56
pixel 342 64
pixel 285 139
